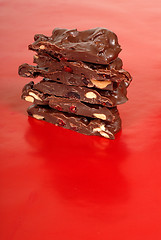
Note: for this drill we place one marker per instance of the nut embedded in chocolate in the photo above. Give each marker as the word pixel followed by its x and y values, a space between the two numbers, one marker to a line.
pixel 90 95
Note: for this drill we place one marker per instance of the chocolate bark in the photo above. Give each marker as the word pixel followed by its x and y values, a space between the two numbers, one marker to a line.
pixel 45 60
pixel 98 45
pixel 87 126
pixel 26 70
pixel 70 105
pixel 43 91
pixel 81 108
pixel 76 73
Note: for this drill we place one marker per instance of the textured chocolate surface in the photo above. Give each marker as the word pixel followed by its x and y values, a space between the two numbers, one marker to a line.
pixel 69 105
pixel 46 60
pixel 87 126
pixel 98 45
pixel 88 70
pixel 26 70
pixel 75 73
pixel 46 88
pixel 81 108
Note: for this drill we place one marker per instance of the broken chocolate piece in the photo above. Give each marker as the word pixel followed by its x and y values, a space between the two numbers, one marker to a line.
pixel 73 106
pixel 46 88
pixel 97 45
pixel 75 73
pixel 88 126
pixel 80 108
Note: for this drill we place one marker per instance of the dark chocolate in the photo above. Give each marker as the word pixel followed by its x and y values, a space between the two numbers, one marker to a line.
pixel 98 45
pixel 44 89
pixel 46 60
pixel 69 105
pixel 81 108
pixel 26 70
pixel 87 126
pixel 75 73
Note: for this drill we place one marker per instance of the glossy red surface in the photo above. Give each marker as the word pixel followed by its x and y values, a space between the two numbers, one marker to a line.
pixel 57 184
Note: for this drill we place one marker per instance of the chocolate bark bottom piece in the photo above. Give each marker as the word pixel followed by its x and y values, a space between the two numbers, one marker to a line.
pixel 87 126
pixel 43 91
pixel 97 45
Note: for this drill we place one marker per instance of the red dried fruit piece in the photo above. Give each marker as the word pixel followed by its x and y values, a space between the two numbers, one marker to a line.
pixel 58 108
pixel 63 59
pixel 73 109
pixel 107 104
pixel 61 123
pixel 68 69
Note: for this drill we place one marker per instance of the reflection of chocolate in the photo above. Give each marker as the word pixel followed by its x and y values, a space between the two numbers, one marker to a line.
pixel 79 170
pixel 84 125
pixel 98 45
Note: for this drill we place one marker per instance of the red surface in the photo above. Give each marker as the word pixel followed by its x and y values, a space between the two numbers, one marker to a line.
pixel 57 184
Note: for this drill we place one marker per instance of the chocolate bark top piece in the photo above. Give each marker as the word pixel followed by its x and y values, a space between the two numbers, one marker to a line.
pixel 84 125
pixel 43 91
pixel 97 45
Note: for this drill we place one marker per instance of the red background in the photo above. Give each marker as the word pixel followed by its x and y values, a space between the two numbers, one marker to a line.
pixel 57 184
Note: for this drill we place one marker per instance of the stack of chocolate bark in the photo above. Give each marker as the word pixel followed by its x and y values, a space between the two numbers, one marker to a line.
pixel 83 81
